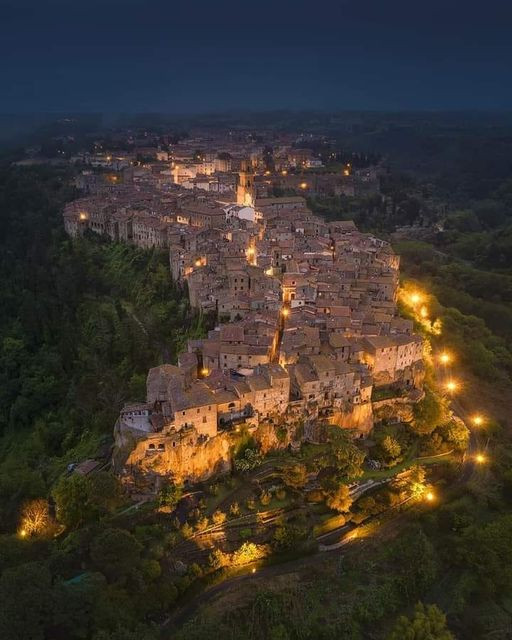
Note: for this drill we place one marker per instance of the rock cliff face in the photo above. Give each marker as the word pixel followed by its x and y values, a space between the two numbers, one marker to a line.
pixel 359 417
pixel 192 461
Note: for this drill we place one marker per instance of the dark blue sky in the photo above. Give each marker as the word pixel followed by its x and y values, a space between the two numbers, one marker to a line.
pixel 163 55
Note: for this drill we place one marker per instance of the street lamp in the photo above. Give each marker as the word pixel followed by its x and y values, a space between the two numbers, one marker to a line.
pixel 445 358
pixel 429 496
pixel 480 458
pixel 477 420
pixel 452 386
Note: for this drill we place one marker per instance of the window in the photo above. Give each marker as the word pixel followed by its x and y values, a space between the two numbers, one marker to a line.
pixel 204 419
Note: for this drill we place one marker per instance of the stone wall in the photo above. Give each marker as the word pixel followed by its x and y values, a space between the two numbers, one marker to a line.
pixel 399 409
pixel 359 417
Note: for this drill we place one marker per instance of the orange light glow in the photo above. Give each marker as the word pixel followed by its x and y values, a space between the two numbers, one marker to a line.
pixel 424 312
pixel 452 386
pixel 429 496
pixel 303 185
pixel 445 358
pixel 285 312
pixel 415 298
pixel 480 458
pixel 477 420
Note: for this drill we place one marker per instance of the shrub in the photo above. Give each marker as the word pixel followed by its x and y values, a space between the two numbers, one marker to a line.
pixel 218 517
pixel 202 524
pixel 265 498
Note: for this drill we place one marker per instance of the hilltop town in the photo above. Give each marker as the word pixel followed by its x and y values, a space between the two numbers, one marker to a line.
pixel 307 330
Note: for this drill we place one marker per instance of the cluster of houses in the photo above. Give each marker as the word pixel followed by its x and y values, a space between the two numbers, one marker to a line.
pixel 306 314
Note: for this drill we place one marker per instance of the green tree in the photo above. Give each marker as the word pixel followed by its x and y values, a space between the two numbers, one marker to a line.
pixel 427 623
pixel 391 447
pixel 115 552
pixel 170 495
pixel 27 603
pixel 71 496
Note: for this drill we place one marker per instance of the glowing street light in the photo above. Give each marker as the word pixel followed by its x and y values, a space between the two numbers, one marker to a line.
pixel 253 570
pixel 477 420
pixel 23 533
pixel 480 458
pixel 285 312
pixel 303 185
pixel 204 372
pixel 445 358
pixel 451 386
pixel 415 298
pixel 424 312
pixel 198 263
pixel 429 496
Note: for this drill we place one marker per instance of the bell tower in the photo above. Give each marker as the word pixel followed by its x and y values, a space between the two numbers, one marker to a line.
pixel 245 187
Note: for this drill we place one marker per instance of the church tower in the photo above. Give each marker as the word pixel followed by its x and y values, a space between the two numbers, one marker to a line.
pixel 245 187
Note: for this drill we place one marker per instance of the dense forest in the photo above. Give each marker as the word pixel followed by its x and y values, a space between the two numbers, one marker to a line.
pixel 81 323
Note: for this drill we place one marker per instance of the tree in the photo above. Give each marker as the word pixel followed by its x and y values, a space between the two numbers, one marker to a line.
pixel 27 603
pixel 218 517
pixel 288 536
pixel 72 501
pixel 391 447
pixel 455 433
pixel 115 552
pixel 427 623
pixel 340 499
pixel 487 552
pixel 104 492
pixel 348 458
pixel 295 475
pixel 170 495
pixel 265 498
pixel 80 499
pixel 429 413
pixel 412 481
pixel 202 524
pixel 35 517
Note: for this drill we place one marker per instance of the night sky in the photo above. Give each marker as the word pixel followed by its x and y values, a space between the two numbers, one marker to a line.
pixel 195 56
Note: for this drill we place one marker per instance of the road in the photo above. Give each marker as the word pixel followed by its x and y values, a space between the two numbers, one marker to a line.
pixel 443 374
